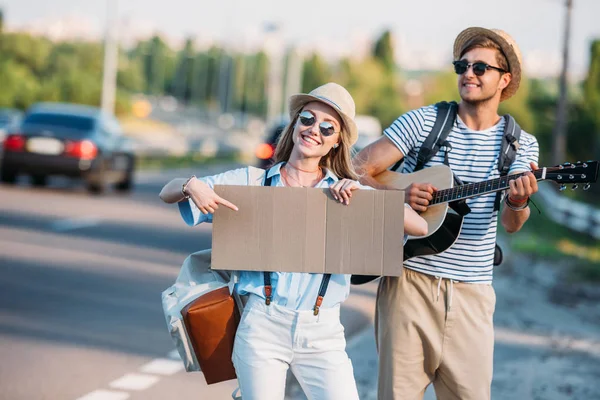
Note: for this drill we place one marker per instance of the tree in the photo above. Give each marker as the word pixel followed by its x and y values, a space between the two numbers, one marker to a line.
pixel 1 21
pixel 591 87
pixel 383 51
pixel 181 86
pixel 374 91
pixel 315 73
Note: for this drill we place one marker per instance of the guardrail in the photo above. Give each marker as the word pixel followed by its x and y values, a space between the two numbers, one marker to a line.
pixel 573 214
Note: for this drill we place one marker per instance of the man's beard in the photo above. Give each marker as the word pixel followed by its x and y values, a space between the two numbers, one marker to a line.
pixel 478 102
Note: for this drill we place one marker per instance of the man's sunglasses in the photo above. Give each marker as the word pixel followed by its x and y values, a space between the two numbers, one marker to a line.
pixel 479 68
pixel 307 119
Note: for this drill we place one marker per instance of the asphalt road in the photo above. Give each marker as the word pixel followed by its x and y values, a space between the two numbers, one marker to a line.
pixel 80 284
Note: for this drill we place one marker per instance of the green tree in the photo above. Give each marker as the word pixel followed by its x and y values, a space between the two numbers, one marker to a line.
pixel 27 50
pixel 591 90
pixel 19 85
pixel 518 107
pixel 383 51
pixel 315 73
pixel 130 75
pixel 373 89
pixel 181 86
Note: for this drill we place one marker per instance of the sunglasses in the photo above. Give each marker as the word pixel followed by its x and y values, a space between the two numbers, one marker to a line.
pixel 479 68
pixel 307 119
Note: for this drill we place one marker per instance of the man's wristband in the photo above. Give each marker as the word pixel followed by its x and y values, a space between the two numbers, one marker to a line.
pixel 518 207
pixel 184 187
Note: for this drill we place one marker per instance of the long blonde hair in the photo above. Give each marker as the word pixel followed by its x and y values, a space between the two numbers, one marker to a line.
pixel 338 160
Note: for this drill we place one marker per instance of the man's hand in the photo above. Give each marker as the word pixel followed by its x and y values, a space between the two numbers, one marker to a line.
pixel 522 188
pixel 205 198
pixel 418 195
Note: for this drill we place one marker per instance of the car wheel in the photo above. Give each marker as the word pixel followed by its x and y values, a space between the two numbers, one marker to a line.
pixel 127 184
pixel 97 184
pixel 7 175
pixel 39 180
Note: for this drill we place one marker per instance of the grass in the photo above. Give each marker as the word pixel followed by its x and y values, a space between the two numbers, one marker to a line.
pixel 186 161
pixel 543 238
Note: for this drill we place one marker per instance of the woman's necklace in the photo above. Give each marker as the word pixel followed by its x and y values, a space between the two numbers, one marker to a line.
pixel 288 175
pixel 303 170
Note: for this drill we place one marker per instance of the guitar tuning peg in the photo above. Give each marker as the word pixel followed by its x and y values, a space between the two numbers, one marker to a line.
pixel 586 186
pixel 575 186
pixel 562 187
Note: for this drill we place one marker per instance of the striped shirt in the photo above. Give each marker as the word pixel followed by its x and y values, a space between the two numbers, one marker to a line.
pixel 473 158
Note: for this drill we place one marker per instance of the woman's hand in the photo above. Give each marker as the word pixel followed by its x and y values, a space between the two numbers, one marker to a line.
pixel 342 190
pixel 205 198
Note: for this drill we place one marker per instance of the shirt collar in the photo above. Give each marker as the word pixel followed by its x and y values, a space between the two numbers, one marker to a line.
pixel 276 170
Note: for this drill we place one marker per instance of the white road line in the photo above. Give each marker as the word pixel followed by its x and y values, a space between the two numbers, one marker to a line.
pixel 137 381
pixel 70 224
pixel 134 382
pixel 105 395
pixel 162 366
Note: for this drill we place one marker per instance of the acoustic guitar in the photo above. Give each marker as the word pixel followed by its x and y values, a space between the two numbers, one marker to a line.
pixel 444 225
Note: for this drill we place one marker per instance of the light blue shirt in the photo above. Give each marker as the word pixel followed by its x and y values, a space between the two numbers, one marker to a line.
pixel 297 291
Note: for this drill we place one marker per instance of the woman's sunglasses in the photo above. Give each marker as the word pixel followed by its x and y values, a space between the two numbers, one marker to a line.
pixel 479 68
pixel 307 119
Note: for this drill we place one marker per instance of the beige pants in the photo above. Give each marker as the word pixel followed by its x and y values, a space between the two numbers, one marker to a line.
pixel 434 331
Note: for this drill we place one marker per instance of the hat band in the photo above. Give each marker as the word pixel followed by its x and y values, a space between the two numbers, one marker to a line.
pixel 329 101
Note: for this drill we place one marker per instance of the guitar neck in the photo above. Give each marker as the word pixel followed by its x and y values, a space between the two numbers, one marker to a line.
pixel 477 189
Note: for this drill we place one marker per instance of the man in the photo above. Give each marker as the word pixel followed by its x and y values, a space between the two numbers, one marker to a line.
pixel 434 323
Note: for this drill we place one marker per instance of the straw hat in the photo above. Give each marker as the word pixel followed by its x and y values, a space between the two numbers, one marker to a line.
pixel 335 96
pixel 509 48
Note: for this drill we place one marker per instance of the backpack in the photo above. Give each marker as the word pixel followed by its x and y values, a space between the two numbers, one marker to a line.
pixel 436 140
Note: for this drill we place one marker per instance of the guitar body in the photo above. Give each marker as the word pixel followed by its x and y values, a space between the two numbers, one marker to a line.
pixel 438 241
pixel 443 226
pixel 439 176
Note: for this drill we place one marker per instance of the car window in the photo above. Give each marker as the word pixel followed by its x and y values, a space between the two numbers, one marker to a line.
pixel 75 122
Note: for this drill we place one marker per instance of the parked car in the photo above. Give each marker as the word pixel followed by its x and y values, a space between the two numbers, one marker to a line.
pixel 266 150
pixel 369 130
pixel 9 118
pixel 70 140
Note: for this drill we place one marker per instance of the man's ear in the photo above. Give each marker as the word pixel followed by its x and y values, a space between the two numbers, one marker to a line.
pixel 505 80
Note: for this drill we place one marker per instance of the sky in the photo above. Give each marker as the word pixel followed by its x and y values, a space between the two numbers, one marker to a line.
pixel 424 31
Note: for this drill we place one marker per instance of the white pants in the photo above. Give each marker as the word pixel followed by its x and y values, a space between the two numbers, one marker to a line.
pixel 270 339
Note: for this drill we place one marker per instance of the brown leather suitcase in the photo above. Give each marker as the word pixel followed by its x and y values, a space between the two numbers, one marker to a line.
pixel 211 321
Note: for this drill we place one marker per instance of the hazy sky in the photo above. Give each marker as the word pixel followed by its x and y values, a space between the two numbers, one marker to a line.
pixel 425 30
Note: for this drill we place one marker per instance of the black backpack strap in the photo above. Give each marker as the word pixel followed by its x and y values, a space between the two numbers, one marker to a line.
pixel 268 180
pixel 444 121
pixel 508 150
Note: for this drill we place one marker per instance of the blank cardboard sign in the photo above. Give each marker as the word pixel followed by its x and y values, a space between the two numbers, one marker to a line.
pixel 305 230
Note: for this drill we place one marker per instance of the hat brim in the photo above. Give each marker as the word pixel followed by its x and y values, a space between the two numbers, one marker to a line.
pixel 513 58
pixel 300 100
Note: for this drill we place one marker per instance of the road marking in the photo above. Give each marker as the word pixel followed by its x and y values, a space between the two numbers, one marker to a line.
pixel 105 395
pixel 162 366
pixel 70 224
pixel 134 382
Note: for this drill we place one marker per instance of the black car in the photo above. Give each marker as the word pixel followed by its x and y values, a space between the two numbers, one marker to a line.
pixel 71 140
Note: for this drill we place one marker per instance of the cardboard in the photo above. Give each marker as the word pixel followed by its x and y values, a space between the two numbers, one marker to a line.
pixel 305 230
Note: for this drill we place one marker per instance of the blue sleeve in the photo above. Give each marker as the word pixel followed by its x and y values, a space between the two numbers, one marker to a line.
pixel 191 214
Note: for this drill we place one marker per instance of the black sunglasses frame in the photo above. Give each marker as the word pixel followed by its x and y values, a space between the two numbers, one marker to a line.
pixel 326 128
pixel 479 67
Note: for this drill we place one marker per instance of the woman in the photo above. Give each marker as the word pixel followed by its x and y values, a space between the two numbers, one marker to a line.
pixel 292 319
